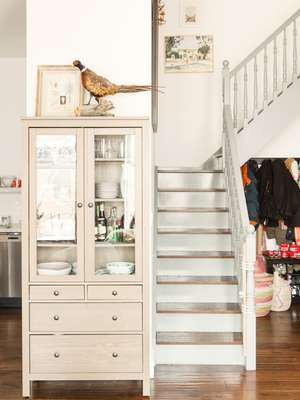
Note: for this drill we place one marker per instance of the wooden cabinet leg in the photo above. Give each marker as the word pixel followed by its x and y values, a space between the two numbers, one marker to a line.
pixel 146 387
pixel 27 388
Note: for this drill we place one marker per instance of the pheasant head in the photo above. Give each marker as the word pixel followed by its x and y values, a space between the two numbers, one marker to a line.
pixel 79 65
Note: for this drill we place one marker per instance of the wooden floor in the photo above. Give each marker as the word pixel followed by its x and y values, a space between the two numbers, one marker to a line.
pixel 277 376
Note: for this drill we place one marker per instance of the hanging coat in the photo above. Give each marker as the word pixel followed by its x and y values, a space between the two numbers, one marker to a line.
pixel 268 213
pixel 286 194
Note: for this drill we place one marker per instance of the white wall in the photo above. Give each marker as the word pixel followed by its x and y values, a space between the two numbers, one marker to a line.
pixel 190 110
pixel 12 107
pixel 111 37
pixel 12 28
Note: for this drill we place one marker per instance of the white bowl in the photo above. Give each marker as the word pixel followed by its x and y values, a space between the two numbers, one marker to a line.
pixel 120 268
pixel 54 265
pixel 53 272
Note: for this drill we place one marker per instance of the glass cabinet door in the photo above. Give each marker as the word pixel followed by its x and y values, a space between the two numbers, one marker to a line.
pixel 56 204
pixel 113 218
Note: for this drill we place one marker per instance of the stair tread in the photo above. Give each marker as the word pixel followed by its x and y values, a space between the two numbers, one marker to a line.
pixel 199 338
pixel 193 231
pixel 187 170
pixel 193 209
pixel 191 190
pixel 194 254
pixel 198 308
pixel 196 280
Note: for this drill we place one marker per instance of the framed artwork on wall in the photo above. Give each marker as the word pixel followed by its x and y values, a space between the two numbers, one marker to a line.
pixel 59 90
pixel 189 13
pixel 189 53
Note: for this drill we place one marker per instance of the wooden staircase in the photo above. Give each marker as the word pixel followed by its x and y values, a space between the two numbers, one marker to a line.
pixel 198 316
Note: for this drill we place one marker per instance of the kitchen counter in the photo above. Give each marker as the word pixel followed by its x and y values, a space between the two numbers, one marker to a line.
pixel 13 228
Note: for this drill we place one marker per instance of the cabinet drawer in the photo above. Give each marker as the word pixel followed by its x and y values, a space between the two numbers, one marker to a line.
pixel 85 317
pixel 56 292
pixel 85 353
pixel 115 292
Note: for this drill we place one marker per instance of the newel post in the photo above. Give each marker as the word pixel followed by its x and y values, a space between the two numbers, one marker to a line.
pixel 226 83
pixel 249 314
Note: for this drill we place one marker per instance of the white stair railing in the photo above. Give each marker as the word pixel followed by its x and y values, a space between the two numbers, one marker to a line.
pixel 243 234
pixel 265 74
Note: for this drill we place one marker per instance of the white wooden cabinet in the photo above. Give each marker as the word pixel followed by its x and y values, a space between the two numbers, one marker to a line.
pixel 86 320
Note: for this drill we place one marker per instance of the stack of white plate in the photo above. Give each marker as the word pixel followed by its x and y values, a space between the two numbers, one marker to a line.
pixel 54 268
pixel 107 190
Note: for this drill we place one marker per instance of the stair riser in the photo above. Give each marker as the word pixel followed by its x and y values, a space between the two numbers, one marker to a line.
pixel 198 322
pixel 204 267
pixel 203 220
pixel 204 199
pixel 197 293
pixel 200 355
pixel 194 242
pixel 181 180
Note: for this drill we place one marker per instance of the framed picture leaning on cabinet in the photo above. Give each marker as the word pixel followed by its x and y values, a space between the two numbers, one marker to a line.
pixel 59 91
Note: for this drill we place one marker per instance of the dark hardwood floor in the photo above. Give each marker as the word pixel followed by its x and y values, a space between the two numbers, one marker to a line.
pixel 277 376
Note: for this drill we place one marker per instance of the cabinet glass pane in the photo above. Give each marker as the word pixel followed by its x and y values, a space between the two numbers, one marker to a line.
pixel 115 187
pixel 56 170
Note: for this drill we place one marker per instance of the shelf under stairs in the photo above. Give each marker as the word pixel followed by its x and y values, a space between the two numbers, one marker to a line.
pixel 198 317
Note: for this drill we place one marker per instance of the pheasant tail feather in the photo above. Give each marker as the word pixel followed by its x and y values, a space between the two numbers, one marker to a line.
pixel 133 88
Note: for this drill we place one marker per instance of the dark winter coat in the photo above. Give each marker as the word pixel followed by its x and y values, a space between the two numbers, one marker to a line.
pixel 268 213
pixel 279 194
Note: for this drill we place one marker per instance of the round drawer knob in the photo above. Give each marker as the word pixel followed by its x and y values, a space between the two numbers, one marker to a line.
pixel 56 293
pixel 114 293
pixel 90 205
pixel 114 318
pixel 79 205
pixel 56 317
pixel 56 355
pixel 115 355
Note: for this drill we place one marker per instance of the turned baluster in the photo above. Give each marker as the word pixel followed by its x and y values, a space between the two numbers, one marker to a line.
pixel 245 95
pixel 235 103
pixel 295 52
pixel 275 70
pixel 255 94
pixel 284 69
pixel 266 95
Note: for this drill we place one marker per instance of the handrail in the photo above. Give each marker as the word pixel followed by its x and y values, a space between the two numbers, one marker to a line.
pixel 243 237
pixel 265 43
pixel 273 66
pixel 229 132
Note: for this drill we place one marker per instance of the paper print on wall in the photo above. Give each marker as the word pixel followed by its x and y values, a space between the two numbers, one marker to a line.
pixel 189 53
pixel 189 13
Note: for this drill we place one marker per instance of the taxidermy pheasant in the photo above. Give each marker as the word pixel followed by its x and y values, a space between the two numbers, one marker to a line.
pixel 99 87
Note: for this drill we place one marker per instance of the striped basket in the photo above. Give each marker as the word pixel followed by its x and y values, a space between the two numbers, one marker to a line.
pixel 263 293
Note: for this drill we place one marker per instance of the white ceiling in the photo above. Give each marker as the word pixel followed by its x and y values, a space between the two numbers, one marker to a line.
pixel 12 28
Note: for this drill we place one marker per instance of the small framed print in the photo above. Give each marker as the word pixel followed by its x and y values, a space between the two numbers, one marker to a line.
pixel 189 13
pixel 59 90
pixel 189 53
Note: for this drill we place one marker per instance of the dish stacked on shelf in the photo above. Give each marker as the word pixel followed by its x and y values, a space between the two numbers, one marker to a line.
pixel 107 190
pixel 58 268
pixel 117 268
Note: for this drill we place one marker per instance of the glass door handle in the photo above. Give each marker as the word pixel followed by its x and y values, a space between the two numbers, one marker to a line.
pixel 90 205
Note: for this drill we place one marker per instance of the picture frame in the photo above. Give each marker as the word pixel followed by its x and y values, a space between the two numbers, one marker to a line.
pixel 189 53
pixel 59 91
pixel 189 13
